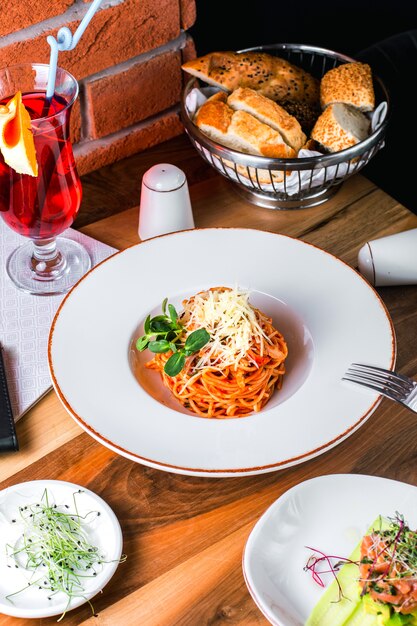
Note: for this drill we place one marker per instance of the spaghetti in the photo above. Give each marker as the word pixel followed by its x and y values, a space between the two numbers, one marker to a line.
pixel 237 371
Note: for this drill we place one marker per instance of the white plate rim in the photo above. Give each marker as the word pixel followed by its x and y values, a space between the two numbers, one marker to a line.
pixel 222 471
pixel 110 568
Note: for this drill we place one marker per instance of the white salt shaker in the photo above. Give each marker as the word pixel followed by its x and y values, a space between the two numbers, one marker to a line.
pixel 390 260
pixel 165 205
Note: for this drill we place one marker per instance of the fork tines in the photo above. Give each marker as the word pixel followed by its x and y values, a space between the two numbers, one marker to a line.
pixel 380 379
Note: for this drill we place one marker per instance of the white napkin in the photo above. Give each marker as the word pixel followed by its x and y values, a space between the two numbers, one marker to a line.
pixel 25 321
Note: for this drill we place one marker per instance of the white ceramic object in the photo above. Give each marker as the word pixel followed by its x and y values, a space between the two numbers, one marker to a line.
pixel 329 513
pixel 390 260
pixel 165 204
pixel 104 532
pixel 328 313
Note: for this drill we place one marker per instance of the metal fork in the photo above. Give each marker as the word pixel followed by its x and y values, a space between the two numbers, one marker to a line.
pixel 388 383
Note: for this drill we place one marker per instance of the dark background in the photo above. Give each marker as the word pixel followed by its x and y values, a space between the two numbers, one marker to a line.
pixel 381 33
pixel 345 26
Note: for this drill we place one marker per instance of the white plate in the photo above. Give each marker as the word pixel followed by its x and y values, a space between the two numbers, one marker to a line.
pixel 104 532
pixel 328 313
pixel 330 513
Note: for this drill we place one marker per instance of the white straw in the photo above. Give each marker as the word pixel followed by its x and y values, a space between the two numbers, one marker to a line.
pixel 66 41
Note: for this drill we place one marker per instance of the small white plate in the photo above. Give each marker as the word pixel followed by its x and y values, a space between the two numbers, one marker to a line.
pixel 329 315
pixel 104 532
pixel 330 513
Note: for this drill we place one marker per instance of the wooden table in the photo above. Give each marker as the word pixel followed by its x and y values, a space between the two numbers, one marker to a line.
pixel 184 535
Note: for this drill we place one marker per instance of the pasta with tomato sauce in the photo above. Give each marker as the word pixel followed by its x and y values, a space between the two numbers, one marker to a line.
pixel 238 370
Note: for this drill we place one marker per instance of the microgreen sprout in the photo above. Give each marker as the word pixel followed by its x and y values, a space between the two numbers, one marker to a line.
pixel 394 551
pixel 334 563
pixel 163 333
pixel 54 545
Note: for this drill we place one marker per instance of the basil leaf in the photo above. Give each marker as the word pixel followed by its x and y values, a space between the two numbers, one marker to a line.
pixel 161 318
pixel 142 343
pixel 159 346
pixel 146 326
pixel 172 313
pixel 158 326
pixel 196 340
pixel 164 306
pixel 174 364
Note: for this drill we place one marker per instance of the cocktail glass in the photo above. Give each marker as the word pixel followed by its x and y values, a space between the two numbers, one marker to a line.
pixel 42 207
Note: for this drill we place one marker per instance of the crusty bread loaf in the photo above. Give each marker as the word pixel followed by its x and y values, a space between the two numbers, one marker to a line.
pixel 270 113
pixel 247 134
pixel 214 117
pixel 340 126
pixel 243 132
pixel 350 83
pixel 239 130
pixel 272 76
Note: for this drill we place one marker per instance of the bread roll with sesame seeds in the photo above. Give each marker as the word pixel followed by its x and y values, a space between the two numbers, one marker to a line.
pixel 271 76
pixel 340 126
pixel 350 83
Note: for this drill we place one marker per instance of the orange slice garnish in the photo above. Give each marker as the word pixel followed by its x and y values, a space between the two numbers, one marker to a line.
pixel 16 138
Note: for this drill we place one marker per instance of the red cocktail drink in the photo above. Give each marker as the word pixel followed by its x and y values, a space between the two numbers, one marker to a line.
pixel 40 207
pixel 44 206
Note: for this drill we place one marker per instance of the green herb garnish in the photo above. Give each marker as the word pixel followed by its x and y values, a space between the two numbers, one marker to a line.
pixel 163 334
pixel 54 545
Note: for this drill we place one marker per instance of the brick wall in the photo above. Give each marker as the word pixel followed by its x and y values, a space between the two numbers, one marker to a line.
pixel 127 62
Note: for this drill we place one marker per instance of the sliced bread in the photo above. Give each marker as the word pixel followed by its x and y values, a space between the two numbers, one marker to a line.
pixel 248 134
pixel 214 116
pixel 243 132
pixel 240 130
pixel 340 126
pixel 270 113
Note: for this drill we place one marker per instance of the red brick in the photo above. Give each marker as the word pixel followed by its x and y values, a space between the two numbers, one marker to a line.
pixel 17 14
pixel 188 13
pixel 113 36
pixel 125 98
pixel 75 122
pixel 188 52
pixel 94 154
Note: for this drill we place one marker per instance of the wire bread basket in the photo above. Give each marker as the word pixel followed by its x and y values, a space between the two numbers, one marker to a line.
pixel 311 178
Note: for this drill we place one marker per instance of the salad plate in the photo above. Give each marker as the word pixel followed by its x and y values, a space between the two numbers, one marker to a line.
pixel 329 315
pixel 19 595
pixel 330 513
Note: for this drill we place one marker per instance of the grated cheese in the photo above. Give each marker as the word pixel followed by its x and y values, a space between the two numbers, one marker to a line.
pixel 230 321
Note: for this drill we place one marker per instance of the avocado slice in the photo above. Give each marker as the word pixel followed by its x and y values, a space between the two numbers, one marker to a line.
pixel 376 608
pixel 330 610
pixel 397 619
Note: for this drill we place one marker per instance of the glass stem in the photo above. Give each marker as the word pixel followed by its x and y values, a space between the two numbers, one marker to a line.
pixel 47 261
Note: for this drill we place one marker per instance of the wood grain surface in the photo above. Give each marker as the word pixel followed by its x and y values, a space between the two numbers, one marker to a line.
pixel 183 535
